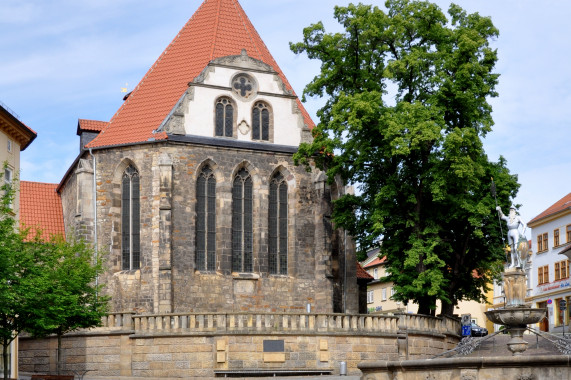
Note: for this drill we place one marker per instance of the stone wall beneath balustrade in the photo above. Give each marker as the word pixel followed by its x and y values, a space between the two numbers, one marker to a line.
pixel 199 345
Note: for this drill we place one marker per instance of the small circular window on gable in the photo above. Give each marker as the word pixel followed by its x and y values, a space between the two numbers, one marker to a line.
pixel 244 86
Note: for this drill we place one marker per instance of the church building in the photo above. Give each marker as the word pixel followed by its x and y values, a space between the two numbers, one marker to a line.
pixel 190 192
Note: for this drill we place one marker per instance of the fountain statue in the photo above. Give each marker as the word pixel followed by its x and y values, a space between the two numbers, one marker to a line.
pixel 515 316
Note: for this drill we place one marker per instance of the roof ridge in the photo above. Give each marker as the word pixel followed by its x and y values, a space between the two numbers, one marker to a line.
pixel 241 13
pixel 39 183
pixel 216 25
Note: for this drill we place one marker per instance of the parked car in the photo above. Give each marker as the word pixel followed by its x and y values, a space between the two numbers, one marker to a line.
pixel 479 331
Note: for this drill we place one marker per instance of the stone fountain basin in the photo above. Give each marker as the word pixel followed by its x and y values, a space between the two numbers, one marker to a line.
pixel 516 316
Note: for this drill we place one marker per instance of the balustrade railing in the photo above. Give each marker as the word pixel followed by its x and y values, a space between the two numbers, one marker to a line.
pixel 264 323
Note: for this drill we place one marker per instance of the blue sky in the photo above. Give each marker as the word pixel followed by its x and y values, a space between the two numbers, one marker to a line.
pixel 67 59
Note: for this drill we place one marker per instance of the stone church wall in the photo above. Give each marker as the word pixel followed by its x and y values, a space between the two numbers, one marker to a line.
pixel 168 280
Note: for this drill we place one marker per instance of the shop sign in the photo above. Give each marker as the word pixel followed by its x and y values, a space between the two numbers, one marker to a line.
pixel 554 286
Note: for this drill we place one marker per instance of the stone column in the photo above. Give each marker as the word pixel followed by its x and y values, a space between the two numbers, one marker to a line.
pixel 84 217
pixel 165 242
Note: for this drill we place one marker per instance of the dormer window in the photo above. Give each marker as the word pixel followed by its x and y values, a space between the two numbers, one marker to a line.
pixel 261 122
pixel 224 118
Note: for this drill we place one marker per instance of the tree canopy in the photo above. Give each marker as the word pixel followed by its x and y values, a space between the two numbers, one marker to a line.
pixel 407 107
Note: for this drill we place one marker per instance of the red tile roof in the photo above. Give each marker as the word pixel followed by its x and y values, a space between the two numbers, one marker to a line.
pixel 377 261
pixel 218 28
pixel 41 208
pixel 91 125
pixel 561 205
pixel 362 274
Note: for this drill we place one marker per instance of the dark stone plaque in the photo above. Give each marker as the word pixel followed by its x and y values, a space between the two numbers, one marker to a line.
pixel 273 346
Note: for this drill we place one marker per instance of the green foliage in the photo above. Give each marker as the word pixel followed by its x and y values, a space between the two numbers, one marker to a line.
pixel 46 287
pixel 406 111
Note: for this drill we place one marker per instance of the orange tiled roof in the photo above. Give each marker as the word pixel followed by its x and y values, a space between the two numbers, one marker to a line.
pixel 41 208
pixel 376 262
pixel 218 28
pixel 362 274
pixel 562 204
pixel 91 125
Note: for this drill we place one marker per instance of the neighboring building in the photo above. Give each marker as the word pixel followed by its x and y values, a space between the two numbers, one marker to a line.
pixel 380 292
pixel 15 136
pixel 549 274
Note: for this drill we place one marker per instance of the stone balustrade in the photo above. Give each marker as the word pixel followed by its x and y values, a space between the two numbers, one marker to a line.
pixel 284 323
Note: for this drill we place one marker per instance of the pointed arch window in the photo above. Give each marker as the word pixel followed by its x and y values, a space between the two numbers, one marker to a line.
pixel 278 225
pixel 130 220
pixel 242 231
pixel 224 118
pixel 206 220
pixel 261 122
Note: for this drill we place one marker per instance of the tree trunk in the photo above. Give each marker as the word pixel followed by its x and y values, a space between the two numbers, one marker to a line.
pixel 447 309
pixel 5 358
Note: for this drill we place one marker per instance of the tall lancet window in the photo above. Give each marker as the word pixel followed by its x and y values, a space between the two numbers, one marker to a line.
pixel 261 122
pixel 278 225
pixel 130 220
pixel 224 118
pixel 242 236
pixel 206 220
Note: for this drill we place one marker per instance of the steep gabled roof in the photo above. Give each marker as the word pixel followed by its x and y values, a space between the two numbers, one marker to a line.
pixel 218 28
pixel 41 208
pixel 559 206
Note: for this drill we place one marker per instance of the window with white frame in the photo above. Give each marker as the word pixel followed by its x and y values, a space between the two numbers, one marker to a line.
pixel 376 273
pixel 384 294
pixel 370 298
pixel 9 146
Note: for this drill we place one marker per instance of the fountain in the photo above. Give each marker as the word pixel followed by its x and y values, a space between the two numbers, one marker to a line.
pixel 515 316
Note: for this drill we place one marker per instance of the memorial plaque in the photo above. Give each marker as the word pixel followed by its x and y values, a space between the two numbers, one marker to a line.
pixel 274 346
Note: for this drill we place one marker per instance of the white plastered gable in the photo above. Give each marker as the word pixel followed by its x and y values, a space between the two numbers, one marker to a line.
pixel 194 114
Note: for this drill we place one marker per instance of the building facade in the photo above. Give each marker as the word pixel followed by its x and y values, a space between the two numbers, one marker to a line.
pixel 549 274
pixel 380 291
pixel 15 136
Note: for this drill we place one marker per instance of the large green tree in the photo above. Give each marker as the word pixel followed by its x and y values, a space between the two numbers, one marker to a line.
pixel 407 107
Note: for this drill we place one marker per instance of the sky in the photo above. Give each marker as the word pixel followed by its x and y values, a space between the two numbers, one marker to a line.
pixel 62 60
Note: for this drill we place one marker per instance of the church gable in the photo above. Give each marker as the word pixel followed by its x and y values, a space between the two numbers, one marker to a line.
pixel 241 98
pixel 147 114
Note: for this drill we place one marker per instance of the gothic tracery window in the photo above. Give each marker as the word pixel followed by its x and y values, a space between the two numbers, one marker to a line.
pixel 278 225
pixel 260 122
pixel 224 118
pixel 206 220
pixel 130 220
pixel 242 231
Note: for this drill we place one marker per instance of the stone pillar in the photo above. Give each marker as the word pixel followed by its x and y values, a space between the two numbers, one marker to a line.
pixel 84 217
pixel 165 242
pixel 161 234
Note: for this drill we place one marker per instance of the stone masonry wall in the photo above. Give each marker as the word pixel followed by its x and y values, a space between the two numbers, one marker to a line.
pixel 200 356
pixel 168 280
